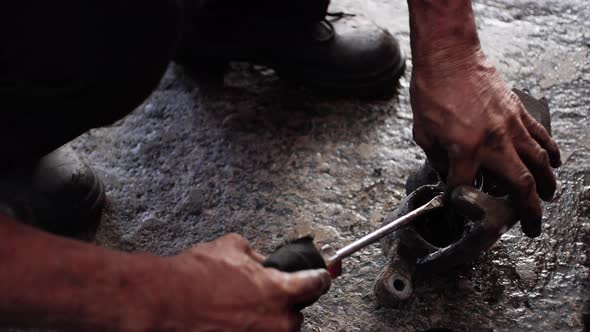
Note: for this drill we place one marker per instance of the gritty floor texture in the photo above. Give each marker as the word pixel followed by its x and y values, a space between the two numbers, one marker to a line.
pixel 271 161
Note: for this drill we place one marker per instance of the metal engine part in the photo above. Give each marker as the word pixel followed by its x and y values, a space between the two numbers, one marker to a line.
pixel 445 239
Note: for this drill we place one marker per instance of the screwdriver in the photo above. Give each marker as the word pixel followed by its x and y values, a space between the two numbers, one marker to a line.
pixel 302 254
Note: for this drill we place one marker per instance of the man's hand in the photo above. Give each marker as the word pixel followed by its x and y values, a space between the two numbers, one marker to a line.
pixel 465 116
pixel 467 119
pixel 215 286
pixel 223 287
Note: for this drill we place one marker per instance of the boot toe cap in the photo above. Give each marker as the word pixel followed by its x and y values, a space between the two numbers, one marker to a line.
pixel 68 196
pixel 361 46
pixel 361 58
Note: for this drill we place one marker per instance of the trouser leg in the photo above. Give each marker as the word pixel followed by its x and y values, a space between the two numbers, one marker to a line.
pixel 67 66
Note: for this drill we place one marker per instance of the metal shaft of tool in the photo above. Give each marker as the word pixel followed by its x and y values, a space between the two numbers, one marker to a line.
pixel 375 236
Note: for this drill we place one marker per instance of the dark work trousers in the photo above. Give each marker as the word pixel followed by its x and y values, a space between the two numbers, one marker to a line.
pixel 70 65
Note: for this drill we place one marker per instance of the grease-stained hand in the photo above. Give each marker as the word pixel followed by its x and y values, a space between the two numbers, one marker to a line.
pixel 226 288
pixel 466 119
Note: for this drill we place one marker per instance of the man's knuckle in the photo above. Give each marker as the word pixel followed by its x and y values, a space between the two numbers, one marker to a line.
pixel 526 182
pixel 233 237
pixel 280 282
pixel 514 103
pixel 542 157
pixel 514 117
pixel 494 136
pixel 537 126
pixel 237 240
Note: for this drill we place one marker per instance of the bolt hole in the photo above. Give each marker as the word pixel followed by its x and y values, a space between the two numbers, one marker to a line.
pixel 399 285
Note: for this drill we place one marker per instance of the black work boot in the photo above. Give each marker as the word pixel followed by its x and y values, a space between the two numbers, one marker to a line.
pixel 60 194
pixel 335 53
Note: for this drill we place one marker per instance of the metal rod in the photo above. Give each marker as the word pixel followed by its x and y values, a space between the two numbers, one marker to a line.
pixel 375 236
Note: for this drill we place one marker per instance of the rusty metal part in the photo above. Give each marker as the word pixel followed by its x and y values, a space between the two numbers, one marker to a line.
pixel 442 240
pixel 445 239
pixel 491 217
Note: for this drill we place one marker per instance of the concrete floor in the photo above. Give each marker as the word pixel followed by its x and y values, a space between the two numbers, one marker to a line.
pixel 272 162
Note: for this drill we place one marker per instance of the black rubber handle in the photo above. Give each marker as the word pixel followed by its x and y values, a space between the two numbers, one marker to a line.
pixel 298 255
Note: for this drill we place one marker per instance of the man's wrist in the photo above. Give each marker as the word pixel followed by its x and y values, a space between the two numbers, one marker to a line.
pixel 446 62
pixel 443 34
pixel 73 285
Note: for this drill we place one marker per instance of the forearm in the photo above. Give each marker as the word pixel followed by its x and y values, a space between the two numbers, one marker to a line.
pixel 52 282
pixel 443 34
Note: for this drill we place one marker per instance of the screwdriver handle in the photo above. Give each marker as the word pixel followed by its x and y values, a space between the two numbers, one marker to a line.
pixel 298 255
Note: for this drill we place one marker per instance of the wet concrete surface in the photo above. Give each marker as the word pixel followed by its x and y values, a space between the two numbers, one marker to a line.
pixel 272 162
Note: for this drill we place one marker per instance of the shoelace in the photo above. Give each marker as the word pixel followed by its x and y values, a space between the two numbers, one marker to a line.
pixel 327 22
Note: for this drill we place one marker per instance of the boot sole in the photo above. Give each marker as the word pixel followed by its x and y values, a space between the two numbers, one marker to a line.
pixel 383 84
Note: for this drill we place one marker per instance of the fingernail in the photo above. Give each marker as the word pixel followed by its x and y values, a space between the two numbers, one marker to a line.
pixel 324 276
pixel 531 229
